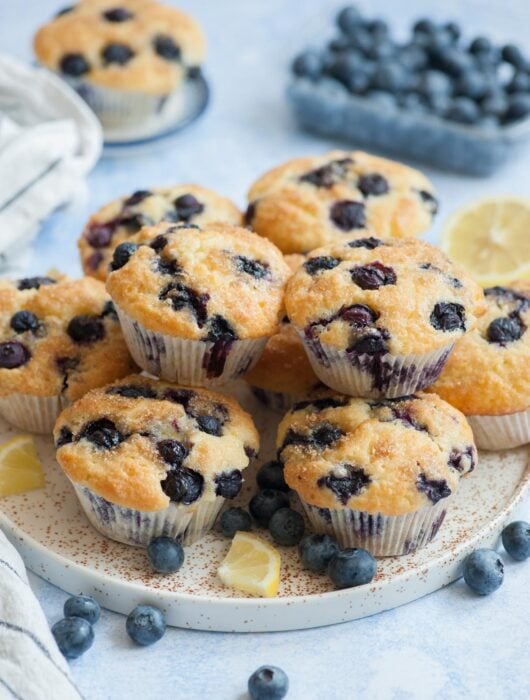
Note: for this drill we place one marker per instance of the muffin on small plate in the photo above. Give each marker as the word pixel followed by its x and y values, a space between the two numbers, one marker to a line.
pixel 309 202
pixel 118 220
pixel 59 338
pixel 126 58
pixel 147 458
pixel 379 318
pixel 197 304
pixel 487 376
pixel 376 474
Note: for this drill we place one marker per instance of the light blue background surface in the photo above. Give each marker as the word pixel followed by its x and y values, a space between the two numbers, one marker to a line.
pixel 450 644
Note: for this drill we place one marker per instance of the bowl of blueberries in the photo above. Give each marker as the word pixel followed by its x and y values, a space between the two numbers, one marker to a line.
pixel 461 105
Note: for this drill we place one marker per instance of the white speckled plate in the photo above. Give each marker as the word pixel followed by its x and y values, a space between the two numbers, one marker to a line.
pixel 58 543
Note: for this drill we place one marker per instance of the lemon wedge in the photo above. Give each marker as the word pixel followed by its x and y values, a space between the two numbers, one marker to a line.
pixel 491 238
pixel 252 566
pixel 20 467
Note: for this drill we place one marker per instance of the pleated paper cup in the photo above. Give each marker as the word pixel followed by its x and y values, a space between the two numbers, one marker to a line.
pixel 134 527
pixel 275 400
pixel 37 414
pixel 501 432
pixel 382 535
pixel 375 376
pixel 189 362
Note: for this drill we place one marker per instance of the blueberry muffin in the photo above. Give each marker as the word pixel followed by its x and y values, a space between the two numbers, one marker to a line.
pixel 197 304
pixel 380 318
pixel 309 202
pixel 59 338
pixel 147 458
pixel 124 57
pixel 376 474
pixel 116 221
pixel 487 376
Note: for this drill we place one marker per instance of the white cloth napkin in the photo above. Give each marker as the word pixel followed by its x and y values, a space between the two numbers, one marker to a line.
pixel 31 665
pixel 49 141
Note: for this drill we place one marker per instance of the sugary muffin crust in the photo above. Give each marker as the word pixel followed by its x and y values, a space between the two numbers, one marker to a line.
pixel 390 456
pixel 308 202
pixel 212 283
pixel 488 372
pixel 135 45
pixel 59 337
pixel 118 220
pixel 373 296
pixel 141 443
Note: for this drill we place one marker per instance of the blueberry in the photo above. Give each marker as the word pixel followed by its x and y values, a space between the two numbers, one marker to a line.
pixel 165 555
pixel 480 45
pixel 345 66
pixel 483 571
pixel 118 14
pixel 166 48
pixel 434 82
pixel 73 635
pixel 358 83
pixel 270 476
pixel 413 102
pixel 351 567
pixel 102 433
pixel 187 206
pixel 360 39
pixel 389 77
pixel 513 54
pixel 412 57
pixel 369 243
pixel 65 437
pixel 348 215
pixel 325 435
pixel 316 551
pixel 451 61
pixel 137 197
pixel 83 606
pixel 518 108
pixel 255 268
pixel 24 321
pixel 100 235
pixel 228 484
pixel 117 53
pixel 145 625
pixel 286 527
pixel 86 329
pixel 264 504
pixel 448 317
pixel 329 174
pixel 472 84
pixel 423 26
pixel 268 683
pixel 494 104
pixel 13 354
pixel 373 185
pixel 434 489
pixel 370 344
pixel 210 425
pixel 233 520
pixel 429 201
pixel 132 391
pixel 463 110
pixel 172 452
pixel 122 255
pixel 220 329
pixel 74 65
pixel 35 282
pixel 453 30
pixel 182 297
pixel 373 275
pixel 315 265
pixel 349 18
pixel 383 99
pixel 352 481
pixel 516 540
pixel 307 65
pixel 382 50
pixel 134 222
pixel 504 330
pixel 358 315
pixel 378 28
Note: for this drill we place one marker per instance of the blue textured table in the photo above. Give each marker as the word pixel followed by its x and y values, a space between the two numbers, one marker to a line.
pixel 450 644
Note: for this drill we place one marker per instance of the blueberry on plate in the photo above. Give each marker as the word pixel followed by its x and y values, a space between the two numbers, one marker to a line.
pixel 73 635
pixel 270 476
pixel 483 571
pixel 307 65
pixel 316 551
pixel 83 606
pixel 145 625
pixel 233 520
pixel 165 555
pixel 268 683
pixel 351 567
pixel 264 504
pixel 516 540
pixel 286 527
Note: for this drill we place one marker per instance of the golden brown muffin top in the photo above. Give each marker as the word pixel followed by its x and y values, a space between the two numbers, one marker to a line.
pixel 389 456
pixel 143 443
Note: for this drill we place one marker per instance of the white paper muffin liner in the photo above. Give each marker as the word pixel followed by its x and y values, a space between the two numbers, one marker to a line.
pixel 37 414
pixel 185 523
pixel 275 400
pixel 189 362
pixel 375 376
pixel 382 535
pixel 501 432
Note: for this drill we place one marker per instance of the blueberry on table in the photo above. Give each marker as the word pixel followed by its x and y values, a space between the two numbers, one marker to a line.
pixel 286 527
pixel 73 635
pixel 165 555
pixel 264 504
pixel 268 683
pixel 145 625
pixel 316 551
pixel 516 540
pixel 351 567
pixel 270 476
pixel 83 606
pixel 233 520
pixel 307 65
pixel 483 571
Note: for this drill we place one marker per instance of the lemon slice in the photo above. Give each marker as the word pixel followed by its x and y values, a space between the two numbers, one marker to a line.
pixel 491 238
pixel 252 566
pixel 20 467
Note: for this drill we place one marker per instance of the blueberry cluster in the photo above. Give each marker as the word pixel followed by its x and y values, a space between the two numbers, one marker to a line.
pixel 434 71
pixel 345 567
pixel 74 634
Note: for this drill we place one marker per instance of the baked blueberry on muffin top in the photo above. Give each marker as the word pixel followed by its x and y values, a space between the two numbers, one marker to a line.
pixel 308 202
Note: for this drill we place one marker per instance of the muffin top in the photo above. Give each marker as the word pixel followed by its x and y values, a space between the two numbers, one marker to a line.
pixel 390 456
pixel 309 202
pixel 143 443
pixel 116 221
pixel 214 283
pixel 488 371
pixel 59 337
pixel 373 296
pixel 137 45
